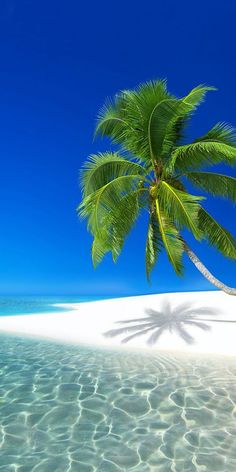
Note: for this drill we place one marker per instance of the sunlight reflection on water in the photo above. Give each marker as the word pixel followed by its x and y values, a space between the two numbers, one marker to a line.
pixel 69 408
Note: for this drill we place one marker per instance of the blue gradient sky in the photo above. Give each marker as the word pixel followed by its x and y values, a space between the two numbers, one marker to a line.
pixel 59 60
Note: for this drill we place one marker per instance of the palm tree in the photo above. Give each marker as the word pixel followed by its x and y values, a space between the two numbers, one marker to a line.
pixel 150 170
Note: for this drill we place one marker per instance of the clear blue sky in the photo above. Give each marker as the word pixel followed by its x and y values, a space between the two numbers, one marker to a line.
pixel 59 60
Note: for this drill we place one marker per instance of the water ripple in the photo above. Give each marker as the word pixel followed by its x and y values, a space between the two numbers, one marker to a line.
pixel 68 409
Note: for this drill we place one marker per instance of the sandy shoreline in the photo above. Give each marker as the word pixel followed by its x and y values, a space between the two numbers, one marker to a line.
pixel 203 322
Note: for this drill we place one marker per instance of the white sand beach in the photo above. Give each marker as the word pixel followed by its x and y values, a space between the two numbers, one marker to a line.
pixel 203 322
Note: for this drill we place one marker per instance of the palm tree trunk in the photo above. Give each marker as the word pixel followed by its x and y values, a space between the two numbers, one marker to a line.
pixel 204 271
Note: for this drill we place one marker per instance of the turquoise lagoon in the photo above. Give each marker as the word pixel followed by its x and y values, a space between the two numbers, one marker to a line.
pixel 18 305
pixel 66 408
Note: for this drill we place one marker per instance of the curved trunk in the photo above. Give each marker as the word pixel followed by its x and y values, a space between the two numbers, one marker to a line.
pixel 204 271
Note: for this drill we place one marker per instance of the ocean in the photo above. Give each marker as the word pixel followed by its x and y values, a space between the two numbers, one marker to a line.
pixel 29 304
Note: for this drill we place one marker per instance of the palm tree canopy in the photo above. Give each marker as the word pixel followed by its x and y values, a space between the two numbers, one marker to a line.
pixel 150 170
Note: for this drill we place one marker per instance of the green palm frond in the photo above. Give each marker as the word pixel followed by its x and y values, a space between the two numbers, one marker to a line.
pixel 111 119
pixel 123 219
pixel 140 107
pixel 221 133
pixel 171 239
pixel 181 207
pixel 197 95
pixel 202 153
pixel 125 120
pixel 216 184
pixel 176 183
pixel 217 235
pixel 140 102
pixel 114 219
pixel 153 244
pixel 100 247
pixel 138 119
pixel 171 119
pixel 165 113
pixel 117 224
pixel 96 206
pixel 101 168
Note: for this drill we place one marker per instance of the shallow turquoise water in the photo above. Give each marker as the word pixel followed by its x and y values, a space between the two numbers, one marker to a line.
pixel 75 409
pixel 17 305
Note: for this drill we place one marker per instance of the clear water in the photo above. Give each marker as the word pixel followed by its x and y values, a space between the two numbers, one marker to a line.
pixel 17 305
pixel 71 409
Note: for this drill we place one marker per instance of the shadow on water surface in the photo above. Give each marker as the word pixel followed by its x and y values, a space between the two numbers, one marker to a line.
pixel 175 319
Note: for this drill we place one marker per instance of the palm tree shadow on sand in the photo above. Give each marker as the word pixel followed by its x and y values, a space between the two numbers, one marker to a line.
pixel 173 319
